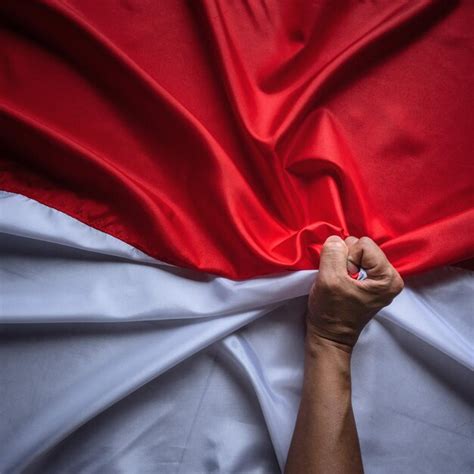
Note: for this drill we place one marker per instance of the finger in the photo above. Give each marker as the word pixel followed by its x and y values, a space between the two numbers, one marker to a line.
pixel 351 240
pixel 367 254
pixel 333 257
pixel 352 268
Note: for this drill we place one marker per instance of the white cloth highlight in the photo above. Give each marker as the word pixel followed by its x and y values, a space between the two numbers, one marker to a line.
pixel 181 382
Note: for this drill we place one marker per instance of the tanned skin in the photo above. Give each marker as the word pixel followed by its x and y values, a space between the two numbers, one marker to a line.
pixel 325 439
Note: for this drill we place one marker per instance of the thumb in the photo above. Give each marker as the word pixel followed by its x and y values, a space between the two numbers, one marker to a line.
pixel 333 256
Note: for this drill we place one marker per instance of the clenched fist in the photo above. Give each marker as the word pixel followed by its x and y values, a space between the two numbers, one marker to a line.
pixel 338 306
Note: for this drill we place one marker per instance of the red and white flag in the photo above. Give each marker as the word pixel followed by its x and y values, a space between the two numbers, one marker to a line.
pixel 168 173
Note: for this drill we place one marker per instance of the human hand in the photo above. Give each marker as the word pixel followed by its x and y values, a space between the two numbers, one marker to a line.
pixel 339 307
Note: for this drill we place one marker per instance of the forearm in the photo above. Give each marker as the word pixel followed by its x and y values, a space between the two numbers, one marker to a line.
pixel 325 438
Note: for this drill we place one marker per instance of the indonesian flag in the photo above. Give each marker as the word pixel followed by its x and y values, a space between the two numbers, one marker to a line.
pixel 168 173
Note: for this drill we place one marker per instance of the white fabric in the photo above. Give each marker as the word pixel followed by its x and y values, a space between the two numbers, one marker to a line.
pixel 113 362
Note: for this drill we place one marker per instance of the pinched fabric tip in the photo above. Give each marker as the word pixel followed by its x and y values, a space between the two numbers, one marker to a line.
pixel 360 275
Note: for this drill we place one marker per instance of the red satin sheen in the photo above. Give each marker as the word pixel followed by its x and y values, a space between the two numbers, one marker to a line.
pixel 234 137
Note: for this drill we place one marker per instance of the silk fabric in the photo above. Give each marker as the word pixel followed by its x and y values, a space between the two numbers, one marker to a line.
pixel 234 137
pixel 114 362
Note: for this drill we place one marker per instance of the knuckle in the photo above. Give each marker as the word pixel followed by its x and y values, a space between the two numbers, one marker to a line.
pixel 384 286
pixel 333 239
pixel 398 284
pixel 394 280
pixel 366 241
pixel 334 245
pixel 381 289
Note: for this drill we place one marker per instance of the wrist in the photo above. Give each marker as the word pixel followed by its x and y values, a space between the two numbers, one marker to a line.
pixel 317 345
pixel 330 359
pixel 321 340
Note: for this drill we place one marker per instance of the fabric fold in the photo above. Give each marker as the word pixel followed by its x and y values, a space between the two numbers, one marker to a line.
pixel 233 139
pixel 89 325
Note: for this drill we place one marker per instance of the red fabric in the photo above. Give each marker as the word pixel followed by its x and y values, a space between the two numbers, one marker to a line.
pixel 235 136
